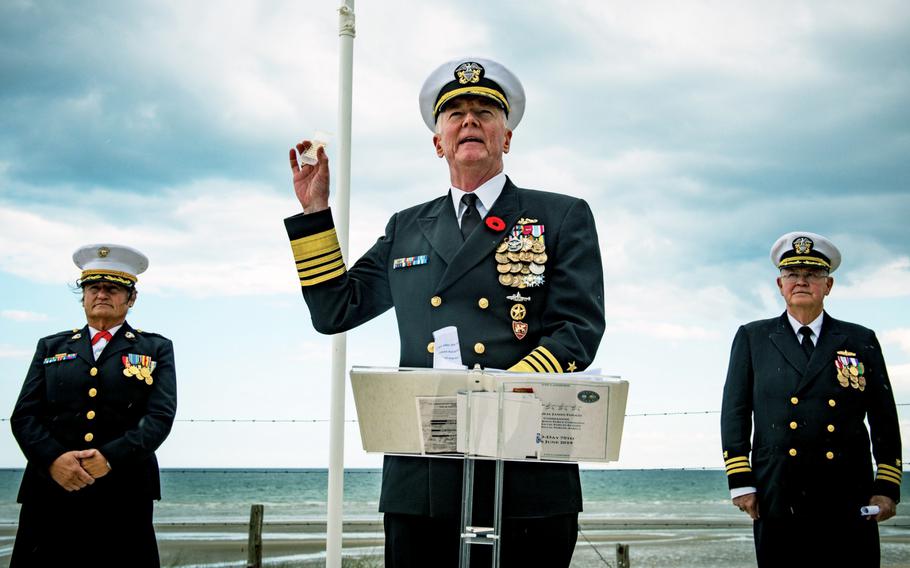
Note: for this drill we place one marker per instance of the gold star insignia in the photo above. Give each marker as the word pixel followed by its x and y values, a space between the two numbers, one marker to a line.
pixel 572 366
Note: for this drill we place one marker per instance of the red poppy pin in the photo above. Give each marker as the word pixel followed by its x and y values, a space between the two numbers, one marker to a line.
pixel 495 223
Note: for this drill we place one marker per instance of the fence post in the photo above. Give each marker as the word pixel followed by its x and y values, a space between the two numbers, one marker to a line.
pixel 622 556
pixel 254 545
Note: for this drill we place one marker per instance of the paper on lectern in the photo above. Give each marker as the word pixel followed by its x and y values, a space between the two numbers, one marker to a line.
pixel 520 424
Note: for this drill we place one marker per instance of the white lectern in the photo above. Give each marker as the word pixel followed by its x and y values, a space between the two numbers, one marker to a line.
pixel 486 415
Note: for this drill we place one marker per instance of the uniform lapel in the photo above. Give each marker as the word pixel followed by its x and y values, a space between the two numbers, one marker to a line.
pixel 82 345
pixel 440 227
pixel 482 242
pixel 830 338
pixel 784 339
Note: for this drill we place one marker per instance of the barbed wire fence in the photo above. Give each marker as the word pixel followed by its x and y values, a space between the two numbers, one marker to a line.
pixel 355 421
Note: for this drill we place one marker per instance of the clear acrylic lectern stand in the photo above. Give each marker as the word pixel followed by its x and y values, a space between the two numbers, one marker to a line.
pixel 470 534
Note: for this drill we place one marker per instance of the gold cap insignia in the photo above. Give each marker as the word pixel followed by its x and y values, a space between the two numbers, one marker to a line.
pixel 802 245
pixel 103 252
pixel 469 72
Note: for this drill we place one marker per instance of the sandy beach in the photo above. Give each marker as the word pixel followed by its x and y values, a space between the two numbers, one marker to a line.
pixel 653 543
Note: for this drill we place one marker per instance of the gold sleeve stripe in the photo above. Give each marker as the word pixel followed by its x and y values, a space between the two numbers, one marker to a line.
pixel 522 367
pixel 536 356
pixel 534 364
pixel 739 470
pixel 320 260
pixel 304 274
pixel 315 245
pixel 323 278
pixel 546 353
pixel 890 469
pixel 737 459
pixel 883 473
pixel 891 478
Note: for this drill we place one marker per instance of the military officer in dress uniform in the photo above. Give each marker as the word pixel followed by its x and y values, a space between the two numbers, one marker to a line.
pixel 808 381
pixel 516 271
pixel 96 404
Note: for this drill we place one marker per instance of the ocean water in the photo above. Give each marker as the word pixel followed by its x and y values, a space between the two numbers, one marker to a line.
pixel 219 495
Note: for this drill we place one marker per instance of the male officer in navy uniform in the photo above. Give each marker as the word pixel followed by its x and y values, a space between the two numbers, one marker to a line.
pixel 516 271
pixel 808 381
pixel 96 404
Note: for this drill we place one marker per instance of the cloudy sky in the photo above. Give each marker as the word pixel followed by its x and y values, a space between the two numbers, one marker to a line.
pixel 699 132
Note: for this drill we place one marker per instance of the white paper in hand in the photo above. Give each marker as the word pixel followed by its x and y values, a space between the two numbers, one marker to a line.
pixel 446 350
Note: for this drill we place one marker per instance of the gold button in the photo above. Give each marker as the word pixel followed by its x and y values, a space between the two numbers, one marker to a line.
pixel 479 348
pixel 793 425
pixel 830 455
pixel 435 301
pixel 431 346
pixel 93 392
pixel 794 400
pixel 93 371
pixel 90 414
pixel 832 403
pixel 483 303
pixel 792 451
pixel 830 427
pixel 89 437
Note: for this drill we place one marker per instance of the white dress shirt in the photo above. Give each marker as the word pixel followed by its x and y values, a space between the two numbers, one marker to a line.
pixel 815 325
pixel 99 347
pixel 487 194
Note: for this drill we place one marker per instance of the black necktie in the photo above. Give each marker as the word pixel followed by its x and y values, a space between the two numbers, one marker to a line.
pixel 471 217
pixel 808 346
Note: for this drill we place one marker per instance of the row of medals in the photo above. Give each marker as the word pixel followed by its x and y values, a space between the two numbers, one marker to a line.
pixel 851 375
pixel 520 261
pixel 143 373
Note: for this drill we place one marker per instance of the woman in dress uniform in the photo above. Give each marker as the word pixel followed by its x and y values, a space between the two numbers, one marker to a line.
pixel 95 405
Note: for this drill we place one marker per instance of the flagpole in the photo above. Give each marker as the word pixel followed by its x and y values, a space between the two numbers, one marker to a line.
pixel 335 512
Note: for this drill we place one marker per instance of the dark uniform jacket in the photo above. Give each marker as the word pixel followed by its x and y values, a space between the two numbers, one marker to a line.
pixel 442 281
pixel 69 401
pixel 810 448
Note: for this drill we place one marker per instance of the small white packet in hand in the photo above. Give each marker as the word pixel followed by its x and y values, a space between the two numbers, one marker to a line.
pixel 320 140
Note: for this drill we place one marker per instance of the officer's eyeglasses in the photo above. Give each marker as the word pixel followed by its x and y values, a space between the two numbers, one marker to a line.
pixel 792 277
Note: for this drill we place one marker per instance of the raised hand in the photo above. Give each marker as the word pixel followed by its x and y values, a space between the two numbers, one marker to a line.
pixel 311 183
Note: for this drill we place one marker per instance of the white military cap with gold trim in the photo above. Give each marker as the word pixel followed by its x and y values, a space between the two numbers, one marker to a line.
pixel 472 76
pixel 802 248
pixel 110 263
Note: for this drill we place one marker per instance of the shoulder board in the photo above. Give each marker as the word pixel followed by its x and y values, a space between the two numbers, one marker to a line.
pixel 146 333
pixel 66 332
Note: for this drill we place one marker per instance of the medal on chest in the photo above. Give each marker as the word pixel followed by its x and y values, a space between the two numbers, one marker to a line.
pixel 521 263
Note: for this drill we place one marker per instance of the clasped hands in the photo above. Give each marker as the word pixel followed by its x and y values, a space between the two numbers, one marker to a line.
pixel 74 470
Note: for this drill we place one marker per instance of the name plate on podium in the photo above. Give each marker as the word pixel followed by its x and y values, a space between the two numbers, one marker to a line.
pixel 497 414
